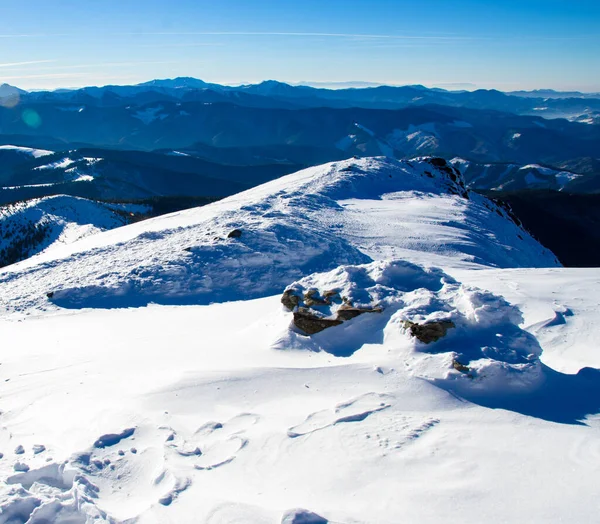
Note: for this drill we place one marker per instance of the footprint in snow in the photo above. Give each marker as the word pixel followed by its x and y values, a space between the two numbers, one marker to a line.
pixel 114 463
pixel 215 444
pixel 355 410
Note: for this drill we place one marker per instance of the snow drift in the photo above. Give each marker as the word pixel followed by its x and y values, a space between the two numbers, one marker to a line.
pixel 483 346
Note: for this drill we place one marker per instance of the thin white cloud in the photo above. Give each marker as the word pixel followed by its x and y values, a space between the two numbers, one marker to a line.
pixel 31 62
pixel 298 34
pixel 185 44
pixel 60 68
pixel 442 36
pixel 120 64
pixel 49 75
pixel 36 35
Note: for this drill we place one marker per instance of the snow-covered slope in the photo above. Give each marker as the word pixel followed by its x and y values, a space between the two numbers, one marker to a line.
pixel 27 151
pixel 432 394
pixel 39 225
pixel 343 213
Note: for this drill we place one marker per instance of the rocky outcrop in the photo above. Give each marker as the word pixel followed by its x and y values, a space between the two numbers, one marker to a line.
pixel 460 367
pixel 289 300
pixel 455 182
pixel 348 312
pixel 311 324
pixel 310 320
pixel 430 331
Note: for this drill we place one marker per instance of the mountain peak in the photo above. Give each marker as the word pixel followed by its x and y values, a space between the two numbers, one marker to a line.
pixel 174 83
pixel 9 90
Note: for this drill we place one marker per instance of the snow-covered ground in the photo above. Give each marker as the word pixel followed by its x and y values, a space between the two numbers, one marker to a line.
pixel 41 224
pixel 27 151
pixel 129 397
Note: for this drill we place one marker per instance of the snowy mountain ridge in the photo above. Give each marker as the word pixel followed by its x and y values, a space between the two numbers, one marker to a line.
pixel 349 212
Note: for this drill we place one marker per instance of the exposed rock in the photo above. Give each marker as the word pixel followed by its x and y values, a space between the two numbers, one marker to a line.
pixel 311 298
pixel 430 331
pixel 457 185
pixel 327 312
pixel 311 324
pixel 347 312
pixel 236 233
pixel 460 367
pixel 289 300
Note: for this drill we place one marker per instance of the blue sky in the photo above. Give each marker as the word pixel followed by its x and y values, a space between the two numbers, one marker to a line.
pixel 505 44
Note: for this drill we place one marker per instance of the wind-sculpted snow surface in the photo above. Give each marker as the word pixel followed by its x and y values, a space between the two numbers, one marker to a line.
pixel 230 413
pixel 483 349
pixel 349 212
pixel 53 493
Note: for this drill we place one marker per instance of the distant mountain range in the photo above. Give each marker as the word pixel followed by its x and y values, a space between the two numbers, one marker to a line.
pixel 183 142
pixel 476 134
pixel 273 94
pixel 581 178
pixel 123 175
pixel 277 123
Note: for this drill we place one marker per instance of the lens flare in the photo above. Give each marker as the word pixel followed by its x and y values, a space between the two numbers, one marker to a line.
pixel 31 118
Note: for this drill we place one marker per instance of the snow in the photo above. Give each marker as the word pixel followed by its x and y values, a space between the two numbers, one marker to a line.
pixel 419 139
pixel 346 212
pixel 60 164
pixel 564 177
pixel 71 109
pixel 28 185
pixel 177 153
pixel 363 128
pixel 457 161
pixel 150 114
pixel 66 218
pixel 346 142
pixel 165 382
pixel 35 153
pixel 540 169
pixel 76 176
pixel 558 308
